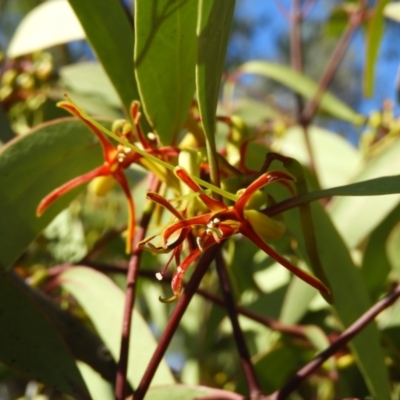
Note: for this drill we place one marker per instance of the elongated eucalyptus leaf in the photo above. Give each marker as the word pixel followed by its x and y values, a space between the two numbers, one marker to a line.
pixel 350 294
pixel 376 264
pixel 98 387
pixel 213 30
pixel 326 147
pixel 33 165
pixel 110 34
pixel 103 301
pixel 374 35
pixel 165 59
pixel 31 345
pixel 392 11
pixel 300 83
pixel 355 217
pixel 6 132
pixel 382 192
pixel 49 24
pixel 186 392
pixel 351 300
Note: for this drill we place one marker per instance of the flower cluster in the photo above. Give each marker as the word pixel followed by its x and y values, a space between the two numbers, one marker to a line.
pixel 220 223
pixel 116 159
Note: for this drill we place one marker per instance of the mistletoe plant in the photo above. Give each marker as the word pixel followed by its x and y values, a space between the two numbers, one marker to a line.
pixel 216 192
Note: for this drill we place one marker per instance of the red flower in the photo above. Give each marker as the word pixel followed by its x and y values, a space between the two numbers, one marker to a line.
pixel 116 160
pixel 221 223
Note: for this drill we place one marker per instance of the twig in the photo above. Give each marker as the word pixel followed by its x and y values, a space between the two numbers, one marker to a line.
pixel 342 340
pixel 297 65
pixel 130 294
pixel 131 279
pixel 248 368
pixel 295 330
pixel 356 18
pixel 174 320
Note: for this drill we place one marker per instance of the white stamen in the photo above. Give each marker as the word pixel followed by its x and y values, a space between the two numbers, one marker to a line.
pixel 159 276
pixel 151 136
pixel 199 243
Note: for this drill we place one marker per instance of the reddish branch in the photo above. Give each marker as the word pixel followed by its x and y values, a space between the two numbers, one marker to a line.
pixel 131 279
pixel 173 323
pixel 230 305
pixel 341 341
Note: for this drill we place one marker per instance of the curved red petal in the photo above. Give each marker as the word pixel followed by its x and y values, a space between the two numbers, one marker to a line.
pixel 259 183
pixel 248 231
pixel 108 148
pixel 177 278
pixel 121 179
pixel 153 196
pixel 199 220
pixel 212 204
pixel 72 184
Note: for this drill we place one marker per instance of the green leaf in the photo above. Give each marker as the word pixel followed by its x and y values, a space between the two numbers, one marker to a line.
pixel 277 366
pixel 392 11
pixel 90 80
pixel 103 302
pixel 32 346
pixel 33 165
pixel 326 147
pixel 356 217
pixel 375 264
pixel 165 59
pixel 213 30
pixel 6 132
pixel 98 387
pixel 49 24
pixel 303 85
pixel 293 310
pixel 393 249
pixel 111 36
pixel 350 294
pixel 351 301
pixel 183 392
pixel 375 30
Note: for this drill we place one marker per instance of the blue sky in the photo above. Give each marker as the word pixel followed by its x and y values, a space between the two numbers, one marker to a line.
pixel 271 24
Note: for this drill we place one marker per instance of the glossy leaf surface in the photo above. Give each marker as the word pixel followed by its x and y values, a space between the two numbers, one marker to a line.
pixel 49 24
pixel 103 302
pixel 213 30
pixel 31 345
pixel 33 165
pixel 355 217
pixel 350 294
pixel 303 85
pixel 165 59
pixel 351 300
pixel 375 30
pixel 110 34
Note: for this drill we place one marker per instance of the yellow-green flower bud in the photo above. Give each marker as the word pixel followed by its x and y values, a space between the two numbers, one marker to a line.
pixel 101 185
pixel 240 130
pixel 279 127
pixel 25 81
pixel 9 77
pixel 264 226
pixel 375 119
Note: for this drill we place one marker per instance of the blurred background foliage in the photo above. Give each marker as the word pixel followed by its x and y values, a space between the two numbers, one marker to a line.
pixel 87 229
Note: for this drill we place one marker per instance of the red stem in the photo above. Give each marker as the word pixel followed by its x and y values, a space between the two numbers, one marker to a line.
pixel 341 341
pixel 130 294
pixel 230 305
pixel 174 320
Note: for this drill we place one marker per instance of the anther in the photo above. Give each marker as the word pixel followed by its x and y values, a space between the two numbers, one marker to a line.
pixel 159 276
